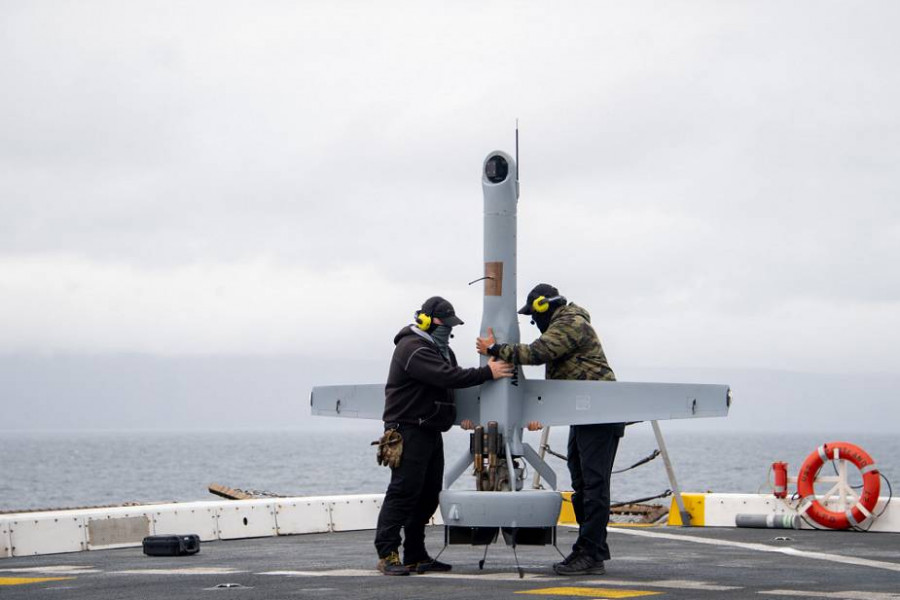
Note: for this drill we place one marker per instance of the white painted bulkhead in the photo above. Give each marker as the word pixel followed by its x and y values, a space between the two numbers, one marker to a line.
pixel 720 510
pixel 52 532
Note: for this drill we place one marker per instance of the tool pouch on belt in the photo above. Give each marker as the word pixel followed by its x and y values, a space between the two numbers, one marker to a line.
pixel 390 449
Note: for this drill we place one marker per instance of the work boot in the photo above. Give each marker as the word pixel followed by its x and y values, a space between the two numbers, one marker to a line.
pixel 428 565
pixel 567 559
pixel 391 565
pixel 581 564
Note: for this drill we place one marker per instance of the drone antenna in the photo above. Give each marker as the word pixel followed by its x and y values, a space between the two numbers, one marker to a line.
pixel 517 153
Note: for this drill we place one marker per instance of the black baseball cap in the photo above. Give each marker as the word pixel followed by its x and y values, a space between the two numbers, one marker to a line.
pixel 443 310
pixel 542 289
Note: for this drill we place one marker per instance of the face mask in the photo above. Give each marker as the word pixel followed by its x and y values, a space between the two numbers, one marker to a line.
pixel 441 337
pixel 542 320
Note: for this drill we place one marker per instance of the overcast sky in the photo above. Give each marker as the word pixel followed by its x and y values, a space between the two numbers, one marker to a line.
pixel 716 182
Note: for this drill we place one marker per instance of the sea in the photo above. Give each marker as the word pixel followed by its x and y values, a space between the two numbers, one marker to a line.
pixel 48 470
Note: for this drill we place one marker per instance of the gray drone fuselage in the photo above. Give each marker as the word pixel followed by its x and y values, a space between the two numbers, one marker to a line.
pixel 514 402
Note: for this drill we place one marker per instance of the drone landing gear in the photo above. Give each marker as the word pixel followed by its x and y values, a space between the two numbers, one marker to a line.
pixel 512 536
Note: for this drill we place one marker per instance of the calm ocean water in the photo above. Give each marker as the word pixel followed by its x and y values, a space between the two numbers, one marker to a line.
pixel 55 470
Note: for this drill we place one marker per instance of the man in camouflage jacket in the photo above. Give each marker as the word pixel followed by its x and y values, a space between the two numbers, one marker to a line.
pixel 570 349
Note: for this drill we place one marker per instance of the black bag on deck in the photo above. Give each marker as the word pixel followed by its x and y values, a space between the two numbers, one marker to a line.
pixel 171 545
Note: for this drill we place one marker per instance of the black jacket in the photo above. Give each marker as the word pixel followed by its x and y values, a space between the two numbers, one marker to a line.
pixel 420 382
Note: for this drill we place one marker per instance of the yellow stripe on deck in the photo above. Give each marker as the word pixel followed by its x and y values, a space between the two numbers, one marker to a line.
pixel 590 592
pixel 27 580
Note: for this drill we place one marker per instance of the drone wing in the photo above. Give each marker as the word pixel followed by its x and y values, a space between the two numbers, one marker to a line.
pixel 367 402
pixel 351 401
pixel 555 402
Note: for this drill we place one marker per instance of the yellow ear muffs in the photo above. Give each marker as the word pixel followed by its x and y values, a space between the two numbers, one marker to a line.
pixel 540 305
pixel 423 321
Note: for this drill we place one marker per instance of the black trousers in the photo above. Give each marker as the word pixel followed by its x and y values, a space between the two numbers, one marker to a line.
pixel 413 494
pixel 591 453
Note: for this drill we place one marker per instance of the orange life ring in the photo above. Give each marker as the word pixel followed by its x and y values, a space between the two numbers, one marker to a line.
pixel 855 515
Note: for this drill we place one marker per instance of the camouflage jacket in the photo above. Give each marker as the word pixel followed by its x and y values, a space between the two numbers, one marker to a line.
pixel 570 348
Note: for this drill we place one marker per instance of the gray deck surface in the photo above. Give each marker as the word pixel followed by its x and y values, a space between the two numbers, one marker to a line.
pixel 660 562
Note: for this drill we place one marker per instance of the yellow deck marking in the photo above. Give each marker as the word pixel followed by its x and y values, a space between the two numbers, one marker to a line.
pixel 27 580
pixel 590 592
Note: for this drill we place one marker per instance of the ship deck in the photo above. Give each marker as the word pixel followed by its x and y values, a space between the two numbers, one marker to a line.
pixel 663 562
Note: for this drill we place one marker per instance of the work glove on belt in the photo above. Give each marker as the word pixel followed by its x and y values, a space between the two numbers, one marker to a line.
pixel 390 449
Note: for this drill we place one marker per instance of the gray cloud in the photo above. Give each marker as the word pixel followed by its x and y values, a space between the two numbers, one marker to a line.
pixel 716 183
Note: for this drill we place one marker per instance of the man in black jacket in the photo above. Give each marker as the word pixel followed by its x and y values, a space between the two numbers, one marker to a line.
pixel 419 405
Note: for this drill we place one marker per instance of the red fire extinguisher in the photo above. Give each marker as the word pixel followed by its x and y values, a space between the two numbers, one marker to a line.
pixel 781 477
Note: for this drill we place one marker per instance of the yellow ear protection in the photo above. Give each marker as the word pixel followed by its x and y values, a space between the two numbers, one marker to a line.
pixel 423 321
pixel 542 304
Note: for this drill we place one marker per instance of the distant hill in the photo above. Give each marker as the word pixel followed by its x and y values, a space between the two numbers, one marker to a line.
pixel 143 392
